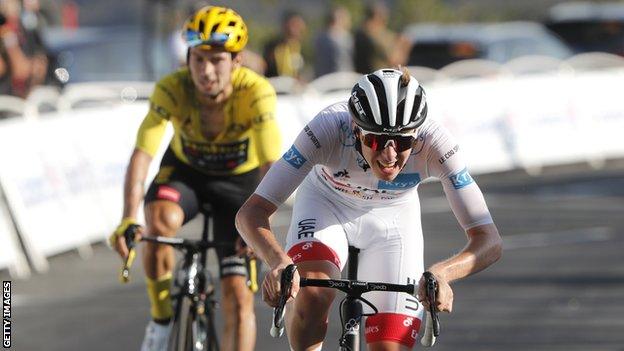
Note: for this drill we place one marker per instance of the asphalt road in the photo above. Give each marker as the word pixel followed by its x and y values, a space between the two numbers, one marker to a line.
pixel 559 285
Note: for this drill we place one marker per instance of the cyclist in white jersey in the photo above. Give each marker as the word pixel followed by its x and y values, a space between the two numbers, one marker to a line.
pixel 357 166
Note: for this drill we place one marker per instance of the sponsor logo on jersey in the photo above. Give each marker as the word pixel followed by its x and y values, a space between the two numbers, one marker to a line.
pixel 312 137
pixel 342 174
pixel 168 193
pixel 306 228
pixel 461 179
pixel 209 156
pixel 449 154
pixel 361 162
pixel 347 137
pixel 294 157
pixel 267 116
pixel 372 329
pixel 402 181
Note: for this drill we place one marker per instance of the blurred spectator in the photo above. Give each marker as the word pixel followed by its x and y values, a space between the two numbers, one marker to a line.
pixel 5 68
pixel 254 61
pixel 376 46
pixel 334 45
pixel 70 14
pixel 22 47
pixel 33 24
pixel 283 54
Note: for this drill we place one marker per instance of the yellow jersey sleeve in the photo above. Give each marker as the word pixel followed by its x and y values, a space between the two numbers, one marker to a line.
pixel 163 104
pixel 264 125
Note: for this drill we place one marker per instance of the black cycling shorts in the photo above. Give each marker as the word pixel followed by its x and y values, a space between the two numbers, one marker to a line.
pixel 192 190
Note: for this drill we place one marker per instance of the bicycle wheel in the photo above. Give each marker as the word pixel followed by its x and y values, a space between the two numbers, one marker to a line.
pixel 208 326
pixel 181 336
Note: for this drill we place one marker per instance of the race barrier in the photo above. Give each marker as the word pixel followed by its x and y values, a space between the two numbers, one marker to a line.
pixel 11 254
pixel 62 172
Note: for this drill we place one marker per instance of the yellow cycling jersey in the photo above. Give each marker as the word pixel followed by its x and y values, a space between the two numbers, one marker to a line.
pixel 250 136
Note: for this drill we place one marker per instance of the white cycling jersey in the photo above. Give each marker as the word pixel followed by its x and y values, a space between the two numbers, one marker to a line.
pixel 327 147
pixel 341 203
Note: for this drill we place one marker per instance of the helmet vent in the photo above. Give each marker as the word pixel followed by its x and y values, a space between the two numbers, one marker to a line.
pixel 417 101
pixel 381 98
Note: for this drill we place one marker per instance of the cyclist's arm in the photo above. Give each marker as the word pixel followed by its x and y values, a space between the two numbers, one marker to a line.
pixel 252 221
pixel 134 184
pixel 484 246
pixel 483 249
pixel 265 127
pixel 148 140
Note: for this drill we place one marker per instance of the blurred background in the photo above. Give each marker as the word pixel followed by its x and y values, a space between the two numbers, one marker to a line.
pixel 531 89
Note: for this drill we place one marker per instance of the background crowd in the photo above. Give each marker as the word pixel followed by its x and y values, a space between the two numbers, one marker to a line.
pixel 289 40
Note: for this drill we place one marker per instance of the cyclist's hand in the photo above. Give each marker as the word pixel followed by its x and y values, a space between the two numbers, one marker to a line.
pixel 444 295
pixel 117 241
pixel 243 250
pixel 271 288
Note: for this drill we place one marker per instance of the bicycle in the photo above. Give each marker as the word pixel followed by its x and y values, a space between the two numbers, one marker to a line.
pixel 351 305
pixel 194 301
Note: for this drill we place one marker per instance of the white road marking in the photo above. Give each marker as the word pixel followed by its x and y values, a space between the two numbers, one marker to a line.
pixel 572 236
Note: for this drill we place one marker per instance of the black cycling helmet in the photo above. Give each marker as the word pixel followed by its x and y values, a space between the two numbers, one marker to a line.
pixel 388 101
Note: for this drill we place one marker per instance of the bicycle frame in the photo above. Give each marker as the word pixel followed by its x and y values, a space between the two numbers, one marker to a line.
pixel 351 308
pixel 193 284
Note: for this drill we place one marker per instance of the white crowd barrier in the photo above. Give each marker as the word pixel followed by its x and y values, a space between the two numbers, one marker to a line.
pixel 63 172
pixel 63 175
pixel 11 255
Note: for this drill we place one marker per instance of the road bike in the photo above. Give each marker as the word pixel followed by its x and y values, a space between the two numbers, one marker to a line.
pixel 351 308
pixel 193 293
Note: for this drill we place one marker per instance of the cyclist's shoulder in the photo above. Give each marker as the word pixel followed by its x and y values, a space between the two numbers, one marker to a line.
pixel 245 81
pixel 335 113
pixel 174 85
pixel 433 129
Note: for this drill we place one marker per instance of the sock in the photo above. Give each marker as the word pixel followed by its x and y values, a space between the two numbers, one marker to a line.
pixel 159 293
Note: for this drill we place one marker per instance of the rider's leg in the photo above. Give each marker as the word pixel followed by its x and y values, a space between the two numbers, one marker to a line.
pixel 387 346
pixel 317 243
pixel 392 237
pixel 163 218
pixel 227 195
pixel 238 311
pixel 307 316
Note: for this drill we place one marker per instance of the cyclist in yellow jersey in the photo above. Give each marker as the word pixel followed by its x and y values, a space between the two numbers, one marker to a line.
pixel 225 139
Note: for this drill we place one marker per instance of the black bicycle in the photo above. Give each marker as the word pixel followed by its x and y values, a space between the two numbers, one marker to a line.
pixel 351 308
pixel 193 294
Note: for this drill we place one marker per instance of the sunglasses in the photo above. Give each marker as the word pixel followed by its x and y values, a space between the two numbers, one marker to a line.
pixel 379 142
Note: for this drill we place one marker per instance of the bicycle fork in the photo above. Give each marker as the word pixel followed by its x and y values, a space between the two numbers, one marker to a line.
pixel 351 310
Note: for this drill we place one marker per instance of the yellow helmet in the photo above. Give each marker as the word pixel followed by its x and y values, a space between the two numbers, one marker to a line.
pixel 214 26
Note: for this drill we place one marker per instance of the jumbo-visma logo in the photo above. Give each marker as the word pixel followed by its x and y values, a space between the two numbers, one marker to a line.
pixel 294 157
pixel 461 179
pixel 402 181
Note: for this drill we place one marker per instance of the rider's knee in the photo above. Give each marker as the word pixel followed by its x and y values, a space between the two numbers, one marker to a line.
pixel 164 218
pixel 314 300
pixel 237 293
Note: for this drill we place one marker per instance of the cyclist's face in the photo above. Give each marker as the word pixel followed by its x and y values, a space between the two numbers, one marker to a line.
pixel 385 163
pixel 211 70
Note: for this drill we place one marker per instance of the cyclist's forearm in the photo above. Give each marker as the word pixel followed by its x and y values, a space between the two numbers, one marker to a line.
pixel 252 222
pixel 268 248
pixel 134 184
pixel 483 249
pixel 264 169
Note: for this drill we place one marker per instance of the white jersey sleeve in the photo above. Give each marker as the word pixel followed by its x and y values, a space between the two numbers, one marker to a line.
pixel 445 162
pixel 312 146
